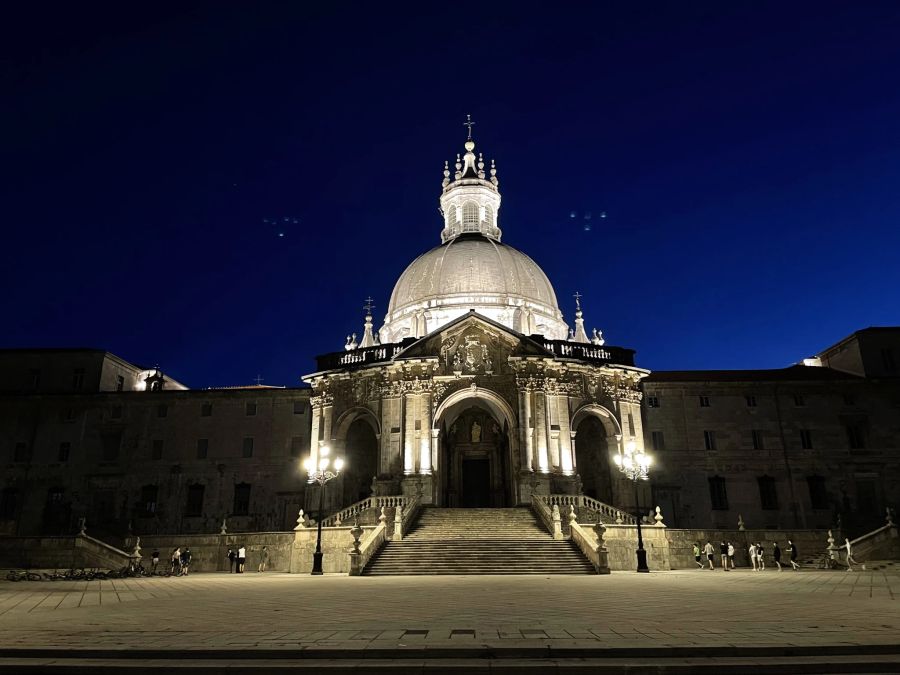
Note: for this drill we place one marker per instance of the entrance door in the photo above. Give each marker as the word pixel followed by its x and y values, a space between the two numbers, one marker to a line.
pixel 476 483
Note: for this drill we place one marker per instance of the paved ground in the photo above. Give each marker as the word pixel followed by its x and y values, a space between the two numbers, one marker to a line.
pixel 330 617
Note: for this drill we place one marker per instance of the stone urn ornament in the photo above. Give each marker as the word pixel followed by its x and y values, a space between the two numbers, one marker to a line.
pixel 356 532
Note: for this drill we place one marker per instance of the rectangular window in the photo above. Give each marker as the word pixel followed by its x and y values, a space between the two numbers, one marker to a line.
pixel 652 401
pixel 768 495
pixel 704 401
pixel 202 448
pixel 111 443
pixel 194 506
pixel 751 401
pixel 718 495
pixel 34 378
pixel 64 451
pixel 849 399
pixel 156 451
pixel 247 447
pixel 20 454
pixel 206 410
pixel 162 410
pixel 149 499
pixel 757 436
pixel 709 440
pixel 115 413
pixel 630 424
pixel 887 358
pixel 856 436
pixel 251 409
pixel 120 382
pixel 799 401
pixel 77 378
pixel 658 441
pixel 241 505
pixel 818 496
pixel 9 500
pixel 296 446
pixel 806 439
pixel 299 407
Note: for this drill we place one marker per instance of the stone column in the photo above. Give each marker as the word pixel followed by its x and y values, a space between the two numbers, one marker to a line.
pixel 425 458
pixel 408 415
pixel 540 432
pixel 526 422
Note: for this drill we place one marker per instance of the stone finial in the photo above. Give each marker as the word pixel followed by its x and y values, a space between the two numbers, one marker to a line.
pixel 555 512
pixel 619 519
pixel 600 531
pixel 889 516
pixel 740 522
pixel 224 528
pixel 572 517
pixel 830 540
pixel 82 526
pixel 659 518
pixel 356 532
pixel 136 551
pixel 381 517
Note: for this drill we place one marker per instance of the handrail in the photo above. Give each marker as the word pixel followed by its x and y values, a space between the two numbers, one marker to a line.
pixel 357 509
pixel 408 514
pixel 610 513
pixel 367 548
pixel 864 545
pixel 590 547
pixel 545 514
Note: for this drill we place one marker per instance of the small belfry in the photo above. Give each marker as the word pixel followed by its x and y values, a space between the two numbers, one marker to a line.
pixel 470 202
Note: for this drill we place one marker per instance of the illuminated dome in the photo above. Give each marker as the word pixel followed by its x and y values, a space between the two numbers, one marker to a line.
pixel 472 269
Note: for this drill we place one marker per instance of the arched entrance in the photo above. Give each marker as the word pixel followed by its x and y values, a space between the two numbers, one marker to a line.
pixel 595 440
pixel 475 454
pixel 356 439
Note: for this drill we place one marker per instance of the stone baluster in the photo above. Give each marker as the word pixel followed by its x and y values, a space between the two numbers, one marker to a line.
pixel 557 524
pixel 572 515
pixel 619 520
pixel 381 517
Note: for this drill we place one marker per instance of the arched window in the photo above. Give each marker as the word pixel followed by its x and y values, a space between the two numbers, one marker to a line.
pixel 470 217
pixel 452 217
pixel 488 216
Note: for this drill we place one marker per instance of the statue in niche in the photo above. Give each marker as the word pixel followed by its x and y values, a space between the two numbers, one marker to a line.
pixel 476 432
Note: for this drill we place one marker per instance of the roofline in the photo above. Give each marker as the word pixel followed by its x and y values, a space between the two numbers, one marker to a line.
pixel 857 333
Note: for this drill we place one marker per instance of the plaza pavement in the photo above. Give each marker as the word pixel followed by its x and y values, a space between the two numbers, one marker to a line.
pixel 679 621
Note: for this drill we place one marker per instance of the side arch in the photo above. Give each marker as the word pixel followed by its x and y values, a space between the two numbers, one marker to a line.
pixel 349 416
pixel 605 415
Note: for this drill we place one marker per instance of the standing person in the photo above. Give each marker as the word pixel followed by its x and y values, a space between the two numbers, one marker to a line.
pixel 710 553
pixel 176 560
pixel 753 556
pixel 776 554
pixel 723 551
pixel 760 556
pixel 263 559
pixel 792 551
pixel 232 558
pixel 186 560
pixel 731 554
pixel 697 554
pixel 154 559
pixel 850 558
pixel 241 558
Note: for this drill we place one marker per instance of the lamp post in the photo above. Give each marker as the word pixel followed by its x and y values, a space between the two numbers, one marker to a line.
pixel 636 466
pixel 321 473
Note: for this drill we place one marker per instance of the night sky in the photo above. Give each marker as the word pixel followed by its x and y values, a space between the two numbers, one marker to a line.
pixel 745 155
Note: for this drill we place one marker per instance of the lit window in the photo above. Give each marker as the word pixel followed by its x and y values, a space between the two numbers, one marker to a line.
pixel 470 217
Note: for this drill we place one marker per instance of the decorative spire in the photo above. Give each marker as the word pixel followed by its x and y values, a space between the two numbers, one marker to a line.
pixel 446 181
pixel 368 339
pixel 469 123
pixel 580 335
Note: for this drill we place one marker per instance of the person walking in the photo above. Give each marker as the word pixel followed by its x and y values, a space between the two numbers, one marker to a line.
pixel 792 552
pixel 241 558
pixel 263 559
pixel 753 556
pixel 723 551
pixel 760 556
pixel 850 558
pixel 154 560
pixel 710 554
pixel 776 555
pixel 176 560
pixel 232 558
pixel 697 554
pixel 186 561
pixel 731 554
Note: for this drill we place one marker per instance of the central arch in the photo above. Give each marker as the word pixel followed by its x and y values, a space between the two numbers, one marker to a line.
pixel 475 450
pixel 595 434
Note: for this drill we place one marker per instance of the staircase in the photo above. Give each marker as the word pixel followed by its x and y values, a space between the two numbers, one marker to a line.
pixel 478 541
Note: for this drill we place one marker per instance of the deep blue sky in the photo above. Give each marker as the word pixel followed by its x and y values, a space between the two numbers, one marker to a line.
pixel 746 156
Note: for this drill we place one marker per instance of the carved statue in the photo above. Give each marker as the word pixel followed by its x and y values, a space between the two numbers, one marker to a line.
pixel 476 432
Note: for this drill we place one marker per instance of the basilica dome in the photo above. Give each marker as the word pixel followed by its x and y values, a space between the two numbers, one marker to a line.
pixel 473 271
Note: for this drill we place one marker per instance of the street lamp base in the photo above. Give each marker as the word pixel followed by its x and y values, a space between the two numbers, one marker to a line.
pixel 641 560
pixel 317 563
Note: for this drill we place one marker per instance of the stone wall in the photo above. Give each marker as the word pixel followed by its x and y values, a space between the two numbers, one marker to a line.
pixel 60 553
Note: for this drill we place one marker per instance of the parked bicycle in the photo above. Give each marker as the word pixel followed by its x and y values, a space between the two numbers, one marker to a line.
pixel 23 575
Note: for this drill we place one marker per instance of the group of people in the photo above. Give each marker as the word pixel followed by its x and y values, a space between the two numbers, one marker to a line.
pixel 237 558
pixel 180 561
pixel 756 550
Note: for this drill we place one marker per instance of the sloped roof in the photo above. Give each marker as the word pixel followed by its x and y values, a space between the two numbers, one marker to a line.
pixel 795 373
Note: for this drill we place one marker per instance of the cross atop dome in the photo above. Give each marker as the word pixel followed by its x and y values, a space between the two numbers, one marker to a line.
pixel 470 200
